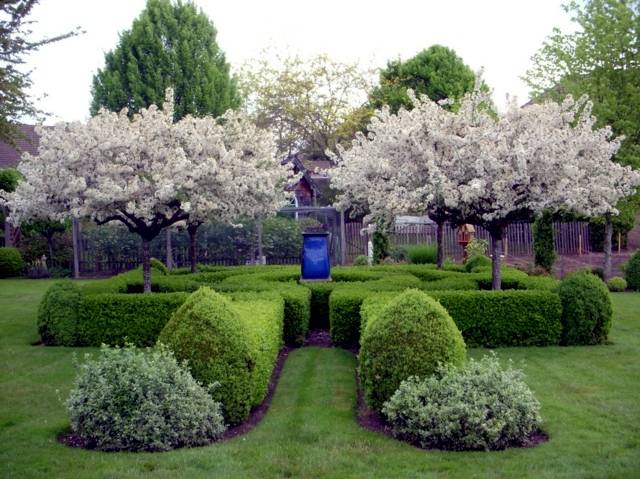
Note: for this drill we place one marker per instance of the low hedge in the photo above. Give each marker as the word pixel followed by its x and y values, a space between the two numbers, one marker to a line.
pixel 233 343
pixel 118 318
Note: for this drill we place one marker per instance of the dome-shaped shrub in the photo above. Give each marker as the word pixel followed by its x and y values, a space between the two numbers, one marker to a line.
pixel 617 284
pixel 207 333
pixel 11 262
pixel 632 271
pixel 586 309
pixel 477 406
pixel 131 400
pixel 411 336
pixel 476 262
pixel 58 314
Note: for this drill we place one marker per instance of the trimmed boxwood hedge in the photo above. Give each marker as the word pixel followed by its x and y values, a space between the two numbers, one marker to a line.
pixel 233 343
pixel 58 314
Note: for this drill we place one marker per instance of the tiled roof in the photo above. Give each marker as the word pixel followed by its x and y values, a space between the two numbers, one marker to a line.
pixel 10 156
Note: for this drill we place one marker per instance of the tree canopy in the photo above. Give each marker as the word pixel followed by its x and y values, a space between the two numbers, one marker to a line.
pixel 170 45
pixel 437 72
pixel 15 44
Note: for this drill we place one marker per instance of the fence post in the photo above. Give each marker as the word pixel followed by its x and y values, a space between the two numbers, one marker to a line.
pixel 580 244
pixel 75 233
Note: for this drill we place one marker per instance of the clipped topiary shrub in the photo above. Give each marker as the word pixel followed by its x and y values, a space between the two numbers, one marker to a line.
pixel 476 262
pixel 232 345
pixel 543 244
pixel 617 284
pixel 479 406
pixel 586 309
pixel 160 266
pixel 58 314
pixel 411 336
pixel 11 262
pixel 632 271
pixel 361 260
pixel 131 400
pixel 422 254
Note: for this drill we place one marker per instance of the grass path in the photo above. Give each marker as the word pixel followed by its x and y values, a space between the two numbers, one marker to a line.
pixel 590 398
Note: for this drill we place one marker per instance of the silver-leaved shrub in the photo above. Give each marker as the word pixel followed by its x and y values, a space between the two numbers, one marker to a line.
pixel 136 400
pixel 479 406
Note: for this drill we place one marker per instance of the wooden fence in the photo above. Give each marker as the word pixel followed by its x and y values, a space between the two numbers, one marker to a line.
pixel 570 238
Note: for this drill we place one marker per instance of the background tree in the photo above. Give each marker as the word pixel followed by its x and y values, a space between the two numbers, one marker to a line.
pixel 543 246
pixel 311 104
pixel 15 44
pixel 170 45
pixel 437 72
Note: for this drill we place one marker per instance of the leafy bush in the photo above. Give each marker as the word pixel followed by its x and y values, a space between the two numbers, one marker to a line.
pixel 479 406
pixel 477 261
pixel 380 243
pixel 453 283
pixel 586 309
pixel 11 262
pixel 617 284
pixel 632 271
pixel 235 344
pixel 543 244
pixel 422 254
pixel 58 314
pixel 159 265
pixel 344 315
pixel 361 260
pixel 411 336
pixel 129 400
pixel 476 247
pixel 118 318
pixel 399 253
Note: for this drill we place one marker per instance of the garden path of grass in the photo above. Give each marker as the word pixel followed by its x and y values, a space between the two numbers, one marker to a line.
pixel 590 402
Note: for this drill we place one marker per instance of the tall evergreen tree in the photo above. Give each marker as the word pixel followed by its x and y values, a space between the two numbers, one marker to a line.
pixel 170 45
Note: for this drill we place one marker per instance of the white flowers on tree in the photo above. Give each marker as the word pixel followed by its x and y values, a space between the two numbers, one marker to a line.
pixel 473 165
pixel 150 173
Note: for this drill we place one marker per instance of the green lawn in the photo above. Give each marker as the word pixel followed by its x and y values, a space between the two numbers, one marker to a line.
pixel 590 403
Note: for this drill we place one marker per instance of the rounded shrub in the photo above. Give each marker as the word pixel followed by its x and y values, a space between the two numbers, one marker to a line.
pixel 207 333
pixel 617 284
pixel 479 406
pixel 58 314
pixel 586 309
pixel 422 254
pixel 632 271
pixel 477 262
pixel 159 265
pixel 11 262
pixel 131 400
pixel 410 336
pixel 361 260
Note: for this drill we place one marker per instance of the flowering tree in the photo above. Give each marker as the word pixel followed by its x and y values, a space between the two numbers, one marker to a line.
pixel 146 172
pixel 475 166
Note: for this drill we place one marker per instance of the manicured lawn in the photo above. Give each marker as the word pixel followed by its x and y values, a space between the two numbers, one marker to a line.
pixel 590 403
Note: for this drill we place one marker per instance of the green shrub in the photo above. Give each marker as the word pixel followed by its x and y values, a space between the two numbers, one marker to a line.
pixel 129 400
pixel 453 283
pixel 617 284
pixel 235 344
pixel 478 261
pixel 361 260
pixel 479 406
pixel 58 314
pixel 320 303
pixel 11 262
pixel 545 283
pixel 476 247
pixel 159 265
pixel 380 242
pixel 422 254
pixel 543 245
pixel 118 318
pixel 632 271
pixel 344 315
pixel 586 309
pixel 411 336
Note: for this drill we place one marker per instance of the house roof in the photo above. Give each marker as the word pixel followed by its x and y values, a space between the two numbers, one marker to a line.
pixel 10 156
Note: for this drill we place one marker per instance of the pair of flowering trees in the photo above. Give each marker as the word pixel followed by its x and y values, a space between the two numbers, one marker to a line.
pixel 473 165
pixel 149 173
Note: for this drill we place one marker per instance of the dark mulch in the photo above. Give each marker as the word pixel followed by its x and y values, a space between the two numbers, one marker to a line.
pixel 374 421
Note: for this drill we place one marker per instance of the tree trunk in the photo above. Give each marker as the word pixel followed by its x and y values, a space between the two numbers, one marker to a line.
pixel 146 266
pixel 260 248
pixel 440 243
pixel 608 235
pixel 496 251
pixel 192 229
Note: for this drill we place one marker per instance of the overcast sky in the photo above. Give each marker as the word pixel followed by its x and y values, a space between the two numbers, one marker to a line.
pixel 499 35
